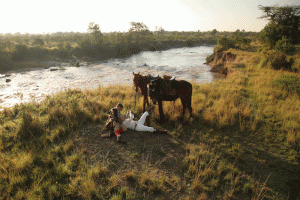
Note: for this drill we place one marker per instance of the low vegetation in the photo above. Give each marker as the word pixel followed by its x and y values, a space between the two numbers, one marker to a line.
pixel 243 142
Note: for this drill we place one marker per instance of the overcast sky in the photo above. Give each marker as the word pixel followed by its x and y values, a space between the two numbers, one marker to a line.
pixel 40 16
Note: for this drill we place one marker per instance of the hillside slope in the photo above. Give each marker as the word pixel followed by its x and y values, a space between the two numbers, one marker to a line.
pixel 243 143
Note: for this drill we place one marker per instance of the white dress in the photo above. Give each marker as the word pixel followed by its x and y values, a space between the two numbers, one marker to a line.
pixel 137 125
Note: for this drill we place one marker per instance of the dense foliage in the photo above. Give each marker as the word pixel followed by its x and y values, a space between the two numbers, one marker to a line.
pixel 284 21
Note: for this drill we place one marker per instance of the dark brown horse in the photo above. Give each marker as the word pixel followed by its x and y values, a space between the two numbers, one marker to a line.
pixel 141 82
pixel 158 92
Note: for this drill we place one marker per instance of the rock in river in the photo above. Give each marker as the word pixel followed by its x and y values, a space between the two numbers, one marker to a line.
pixel 53 69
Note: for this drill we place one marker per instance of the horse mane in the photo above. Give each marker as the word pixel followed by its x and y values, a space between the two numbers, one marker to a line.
pixel 141 82
pixel 167 77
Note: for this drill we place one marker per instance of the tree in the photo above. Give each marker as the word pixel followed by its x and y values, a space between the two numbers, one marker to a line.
pixel 94 29
pixel 138 27
pixel 159 30
pixel 214 32
pixel 138 31
pixel 284 21
pixel 271 34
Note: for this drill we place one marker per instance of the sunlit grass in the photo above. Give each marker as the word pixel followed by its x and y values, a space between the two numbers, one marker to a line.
pixel 40 159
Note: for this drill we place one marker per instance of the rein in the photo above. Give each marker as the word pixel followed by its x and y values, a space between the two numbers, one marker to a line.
pixel 136 94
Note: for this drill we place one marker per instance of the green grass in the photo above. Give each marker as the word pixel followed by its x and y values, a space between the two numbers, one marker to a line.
pixel 243 143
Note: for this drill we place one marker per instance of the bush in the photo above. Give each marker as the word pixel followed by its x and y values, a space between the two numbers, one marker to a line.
pixel 245 41
pixel 279 60
pixel 284 45
pixel 289 83
pixel 20 53
pixel 226 42
pixel 210 58
pixel 36 53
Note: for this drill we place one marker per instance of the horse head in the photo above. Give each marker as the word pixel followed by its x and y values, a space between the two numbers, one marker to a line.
pixel 136 80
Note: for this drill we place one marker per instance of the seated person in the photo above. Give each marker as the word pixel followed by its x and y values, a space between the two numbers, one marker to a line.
pixel 137 125
pixel 114 122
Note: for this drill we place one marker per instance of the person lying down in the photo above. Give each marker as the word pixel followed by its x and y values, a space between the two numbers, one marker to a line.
pixel 137 125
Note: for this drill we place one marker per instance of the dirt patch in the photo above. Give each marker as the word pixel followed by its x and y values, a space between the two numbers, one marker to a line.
pixel 159 150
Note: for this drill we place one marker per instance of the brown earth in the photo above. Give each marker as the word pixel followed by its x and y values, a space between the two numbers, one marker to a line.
pixel 156 149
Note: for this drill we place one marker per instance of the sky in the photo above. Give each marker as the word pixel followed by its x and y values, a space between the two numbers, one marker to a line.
pixel 44 16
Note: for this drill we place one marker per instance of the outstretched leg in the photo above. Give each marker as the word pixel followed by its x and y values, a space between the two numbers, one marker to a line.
pixel 143 118
pixel 141 127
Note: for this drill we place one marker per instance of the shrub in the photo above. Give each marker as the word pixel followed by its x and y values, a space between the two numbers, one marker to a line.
pixel 226 42
pixel 245 41
pixel 279 60
pixel 20 53
pixel 210 58
pixel 38 53
pixel 288 82
pixel 284 45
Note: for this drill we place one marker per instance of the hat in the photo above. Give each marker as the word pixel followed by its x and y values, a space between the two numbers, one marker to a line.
pixel 120 105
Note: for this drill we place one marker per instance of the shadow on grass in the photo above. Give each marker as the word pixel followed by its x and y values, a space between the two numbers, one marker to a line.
pixel 166 152
pixel 251 155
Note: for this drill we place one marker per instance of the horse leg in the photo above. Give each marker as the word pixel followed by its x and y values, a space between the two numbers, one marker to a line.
pixel 173 106
pixel 144 103
pixel 184 105
pixel 189 105
pixel 161 112
pixel 147 101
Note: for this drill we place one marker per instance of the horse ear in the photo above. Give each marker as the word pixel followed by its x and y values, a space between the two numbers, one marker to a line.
pixel 133 73
pixel 139 73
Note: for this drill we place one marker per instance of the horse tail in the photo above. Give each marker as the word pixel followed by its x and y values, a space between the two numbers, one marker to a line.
pixel 186 87
pixel 185 93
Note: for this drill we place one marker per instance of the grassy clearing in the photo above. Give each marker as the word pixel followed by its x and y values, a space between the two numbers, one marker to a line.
pixel 243 143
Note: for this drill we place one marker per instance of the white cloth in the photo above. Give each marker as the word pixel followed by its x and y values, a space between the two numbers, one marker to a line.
pixel 138 125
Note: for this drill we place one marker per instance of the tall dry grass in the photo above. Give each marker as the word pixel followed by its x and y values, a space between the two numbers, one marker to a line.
pixel 40 161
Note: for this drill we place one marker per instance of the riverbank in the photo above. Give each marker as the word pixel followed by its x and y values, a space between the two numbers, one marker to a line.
pixel 8 66
pixel 242 143
pixel 31 51
pixel 36 83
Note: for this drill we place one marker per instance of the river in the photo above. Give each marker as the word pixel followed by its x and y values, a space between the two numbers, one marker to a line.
pixel 34 85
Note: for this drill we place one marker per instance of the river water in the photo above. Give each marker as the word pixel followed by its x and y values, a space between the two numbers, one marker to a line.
pixel 34 85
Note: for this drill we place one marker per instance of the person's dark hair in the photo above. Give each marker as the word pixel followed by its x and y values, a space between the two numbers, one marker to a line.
pixel 120 105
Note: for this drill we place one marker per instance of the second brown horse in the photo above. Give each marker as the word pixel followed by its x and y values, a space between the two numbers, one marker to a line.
pixel 158 92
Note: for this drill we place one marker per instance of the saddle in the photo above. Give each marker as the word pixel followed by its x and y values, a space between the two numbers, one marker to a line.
pixel 167 85
pixel 171 85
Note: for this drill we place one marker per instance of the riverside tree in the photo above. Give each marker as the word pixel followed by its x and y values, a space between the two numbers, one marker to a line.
pixel 138 31
pixel 94 29
pixel 284 21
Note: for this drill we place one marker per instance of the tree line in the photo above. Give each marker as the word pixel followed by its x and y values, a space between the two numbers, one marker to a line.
pixel 94 44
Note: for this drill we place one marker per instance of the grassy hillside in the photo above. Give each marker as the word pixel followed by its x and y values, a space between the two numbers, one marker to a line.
pixel 243 142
